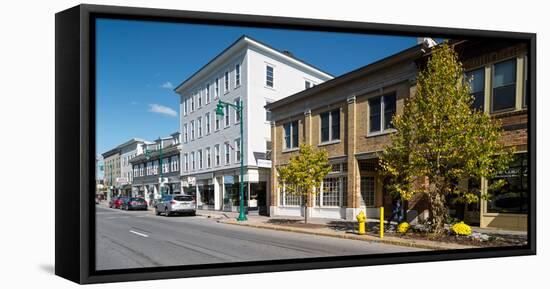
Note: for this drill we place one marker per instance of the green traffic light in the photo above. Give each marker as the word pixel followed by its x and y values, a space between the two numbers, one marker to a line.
pixel 219 109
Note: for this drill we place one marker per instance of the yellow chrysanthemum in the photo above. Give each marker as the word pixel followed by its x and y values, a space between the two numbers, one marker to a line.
pixel 403 227
pixel 461 229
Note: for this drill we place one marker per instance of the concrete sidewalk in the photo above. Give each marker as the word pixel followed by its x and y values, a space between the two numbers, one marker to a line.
pixel 324 227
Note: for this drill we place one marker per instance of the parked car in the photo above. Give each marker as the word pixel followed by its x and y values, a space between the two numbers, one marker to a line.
pixel 176 204
pixel 134 204
pixel 113 201
pixel 118 202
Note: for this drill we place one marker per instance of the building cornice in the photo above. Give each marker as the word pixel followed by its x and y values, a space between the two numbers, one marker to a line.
pixel 155 155
pixel 243 43
pixel 410 53
pixel 110 153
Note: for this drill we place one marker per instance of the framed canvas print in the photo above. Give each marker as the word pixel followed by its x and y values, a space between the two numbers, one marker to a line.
pixel 198 144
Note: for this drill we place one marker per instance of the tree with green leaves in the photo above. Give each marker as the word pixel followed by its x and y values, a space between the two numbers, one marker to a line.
pixel 304 173
pixel 441 140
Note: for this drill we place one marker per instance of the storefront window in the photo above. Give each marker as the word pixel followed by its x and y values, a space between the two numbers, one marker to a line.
pixel 513 196
pixel 191 190
pixel 293 200
pixel 333 192
pixel 232 194
pixel 207 195
pixel 289 199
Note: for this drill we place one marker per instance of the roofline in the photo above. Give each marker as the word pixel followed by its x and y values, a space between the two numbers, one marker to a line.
pixel 290 56
pixel 110 152
pixel 155 154
pixel 411 52
pixel 171 136
pixel 235 43
pixel 133 140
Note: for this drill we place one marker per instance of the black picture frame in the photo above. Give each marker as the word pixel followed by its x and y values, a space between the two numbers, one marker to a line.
pixel 75 144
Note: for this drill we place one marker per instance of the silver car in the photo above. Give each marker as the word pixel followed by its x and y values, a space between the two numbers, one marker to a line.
pixel 176 204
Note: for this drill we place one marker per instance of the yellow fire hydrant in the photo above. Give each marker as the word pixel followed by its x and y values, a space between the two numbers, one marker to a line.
pixel 361 218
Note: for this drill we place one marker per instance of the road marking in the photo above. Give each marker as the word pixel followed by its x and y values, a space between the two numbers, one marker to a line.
pixel 139 234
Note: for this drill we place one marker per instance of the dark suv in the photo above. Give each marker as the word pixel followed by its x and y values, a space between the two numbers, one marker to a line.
pixel 134 204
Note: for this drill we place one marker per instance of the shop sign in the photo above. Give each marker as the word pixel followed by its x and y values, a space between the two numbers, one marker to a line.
pixel 512 172
pixel 264 163
pixel 252 176
pixel 191 181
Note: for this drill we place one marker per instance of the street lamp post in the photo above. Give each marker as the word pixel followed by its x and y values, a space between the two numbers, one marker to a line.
pixel 239 109
pixel 111 182
pixel 161 183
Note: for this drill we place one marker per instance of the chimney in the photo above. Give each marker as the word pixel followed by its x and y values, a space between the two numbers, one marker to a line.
pixel 288 53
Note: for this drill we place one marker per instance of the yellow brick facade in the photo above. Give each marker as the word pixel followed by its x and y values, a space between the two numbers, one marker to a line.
pixel 357 148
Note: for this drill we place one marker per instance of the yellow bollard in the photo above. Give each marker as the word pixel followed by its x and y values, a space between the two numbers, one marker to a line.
pixel 361 218
pixel 381 222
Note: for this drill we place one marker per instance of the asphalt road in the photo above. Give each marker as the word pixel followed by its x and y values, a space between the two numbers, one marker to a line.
pixel 140 239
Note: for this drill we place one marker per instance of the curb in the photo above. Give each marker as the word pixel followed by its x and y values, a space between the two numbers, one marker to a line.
pixel 213 217
pixel 350 237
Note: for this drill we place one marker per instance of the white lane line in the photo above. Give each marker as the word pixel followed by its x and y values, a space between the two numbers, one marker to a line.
pixel 139 234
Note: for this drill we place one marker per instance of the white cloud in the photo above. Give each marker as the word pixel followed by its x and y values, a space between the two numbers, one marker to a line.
pixel 167 85
pixel 157 108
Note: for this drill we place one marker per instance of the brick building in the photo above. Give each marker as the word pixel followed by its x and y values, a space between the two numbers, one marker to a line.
pixel 350 117
pixel 111 163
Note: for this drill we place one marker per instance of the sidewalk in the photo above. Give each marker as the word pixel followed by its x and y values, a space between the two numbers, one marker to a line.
pixel 324 227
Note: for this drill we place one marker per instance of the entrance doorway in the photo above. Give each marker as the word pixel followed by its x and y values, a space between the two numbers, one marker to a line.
pixel 257 200
pixel 368 191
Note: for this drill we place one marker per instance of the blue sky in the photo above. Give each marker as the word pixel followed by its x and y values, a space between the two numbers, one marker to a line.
pixel 139 63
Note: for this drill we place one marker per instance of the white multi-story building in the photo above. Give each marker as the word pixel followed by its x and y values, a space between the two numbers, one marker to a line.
pixel 156 170
pixel 247 71
pixel 129 150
